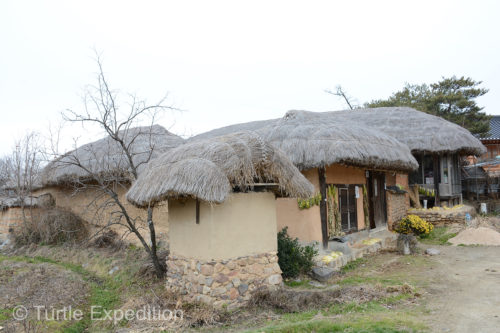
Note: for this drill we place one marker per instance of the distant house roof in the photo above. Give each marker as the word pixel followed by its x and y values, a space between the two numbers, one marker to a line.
pixel 10 202
pixel 106 156
pixel 494 133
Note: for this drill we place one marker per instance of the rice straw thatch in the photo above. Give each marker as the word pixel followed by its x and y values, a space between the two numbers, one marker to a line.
pixel 106 157
pixel 11 202
pixel 311 141
pixel 420 131
pixel 365 136
pixel 210 169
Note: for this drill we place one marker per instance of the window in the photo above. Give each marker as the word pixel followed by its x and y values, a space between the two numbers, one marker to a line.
pixel 444 160
pixel 428 169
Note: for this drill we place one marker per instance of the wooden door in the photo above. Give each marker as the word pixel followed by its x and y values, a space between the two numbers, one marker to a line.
pixel 378 210
pixel 348 209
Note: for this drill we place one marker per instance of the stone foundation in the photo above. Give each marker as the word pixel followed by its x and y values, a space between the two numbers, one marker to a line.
pixel 443 216
pixel 219 282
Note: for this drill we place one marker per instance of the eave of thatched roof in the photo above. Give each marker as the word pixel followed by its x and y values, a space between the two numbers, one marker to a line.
pixel 105 157
pixel 210 169
pixel 420 131
pixel 11 202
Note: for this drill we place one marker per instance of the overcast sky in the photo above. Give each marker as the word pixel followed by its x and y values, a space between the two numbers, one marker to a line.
pixel 225 62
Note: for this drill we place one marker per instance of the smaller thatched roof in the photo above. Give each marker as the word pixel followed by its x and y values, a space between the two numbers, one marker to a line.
pixel 11 202
pixel 106 157
pixel 12 184
pixel 210 169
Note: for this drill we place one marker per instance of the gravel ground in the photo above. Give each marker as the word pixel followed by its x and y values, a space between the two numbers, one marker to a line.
pixel 465 290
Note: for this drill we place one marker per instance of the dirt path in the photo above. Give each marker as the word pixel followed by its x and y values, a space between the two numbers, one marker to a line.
pixel 465 290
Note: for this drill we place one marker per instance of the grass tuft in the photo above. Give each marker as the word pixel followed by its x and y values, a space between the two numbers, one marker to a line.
pixel 352 265
pixel 439 236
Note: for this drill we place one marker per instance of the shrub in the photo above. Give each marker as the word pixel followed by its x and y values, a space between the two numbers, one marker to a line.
pixel 51 226
pixel 294 258
pixel 413 224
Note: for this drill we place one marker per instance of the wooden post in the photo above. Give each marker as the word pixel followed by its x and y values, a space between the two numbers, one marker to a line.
pixel 437 179
pixel 322 206
pixel 197 211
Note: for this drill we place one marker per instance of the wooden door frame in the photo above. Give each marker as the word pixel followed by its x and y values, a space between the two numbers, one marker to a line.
pixel 381 189
pixel 371 211
pixel 348 187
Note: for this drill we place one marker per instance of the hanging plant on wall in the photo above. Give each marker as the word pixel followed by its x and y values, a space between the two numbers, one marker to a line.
pixel 309 202
pixel 334 221
pixel 365 206
pixel 426 192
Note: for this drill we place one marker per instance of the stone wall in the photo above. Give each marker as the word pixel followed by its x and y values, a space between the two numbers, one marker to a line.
pixel 444 216
pixel 219 282
pixel 397 208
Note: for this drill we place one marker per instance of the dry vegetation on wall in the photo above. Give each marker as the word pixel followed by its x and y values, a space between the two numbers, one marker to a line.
pixel 51 226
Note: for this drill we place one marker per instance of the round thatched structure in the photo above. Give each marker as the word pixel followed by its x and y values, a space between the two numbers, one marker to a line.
pixel 210 169
pixel 106 157
pixel 420 131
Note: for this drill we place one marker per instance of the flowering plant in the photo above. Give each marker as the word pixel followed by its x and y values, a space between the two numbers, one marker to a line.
pixel 413 224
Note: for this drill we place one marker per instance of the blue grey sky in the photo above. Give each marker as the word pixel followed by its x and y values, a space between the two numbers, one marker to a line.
pixel 224 62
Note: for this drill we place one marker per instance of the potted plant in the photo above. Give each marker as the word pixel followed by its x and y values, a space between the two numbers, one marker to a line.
pixel 408 228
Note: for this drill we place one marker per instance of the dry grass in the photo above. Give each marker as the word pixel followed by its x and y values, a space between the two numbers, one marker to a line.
pixel 51 226
pixel 108 239
pixel 292 300
pixel 38 284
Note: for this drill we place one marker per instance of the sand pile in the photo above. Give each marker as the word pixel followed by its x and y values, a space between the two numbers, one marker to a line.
pixel 481 236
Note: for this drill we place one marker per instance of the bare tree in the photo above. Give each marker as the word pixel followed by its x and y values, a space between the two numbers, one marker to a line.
pixel 116 160
pixel 23 167
pixel 340 92
pixel 4 170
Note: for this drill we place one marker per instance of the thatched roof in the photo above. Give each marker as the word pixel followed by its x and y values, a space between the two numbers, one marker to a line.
pixel 365 137
pixel 311 141
pixel 421 132
pixel 11 202
pixel 105 157
pixel 250 126
pixel 210 169
pixel 11 184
